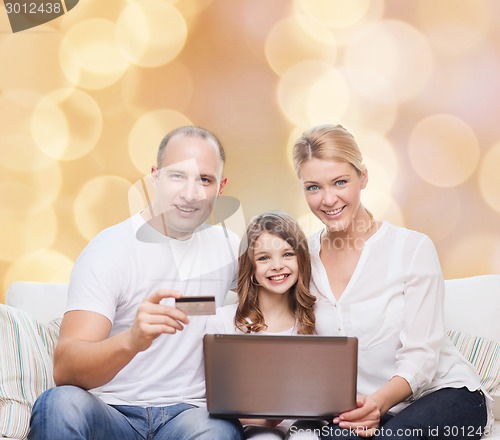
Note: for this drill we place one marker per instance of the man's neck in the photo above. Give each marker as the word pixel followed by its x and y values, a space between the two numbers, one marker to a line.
pixel 159 224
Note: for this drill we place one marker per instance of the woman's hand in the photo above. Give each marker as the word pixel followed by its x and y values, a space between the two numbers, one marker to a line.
pixel 364 419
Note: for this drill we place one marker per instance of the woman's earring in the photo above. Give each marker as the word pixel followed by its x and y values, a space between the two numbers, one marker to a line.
pixel 253 281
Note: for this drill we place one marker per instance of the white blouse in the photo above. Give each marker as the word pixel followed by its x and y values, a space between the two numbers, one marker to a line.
pixel 393 304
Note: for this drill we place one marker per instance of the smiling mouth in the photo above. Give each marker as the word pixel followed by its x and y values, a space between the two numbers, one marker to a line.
pixel 335 211
pixel 279 277
pixel 185 208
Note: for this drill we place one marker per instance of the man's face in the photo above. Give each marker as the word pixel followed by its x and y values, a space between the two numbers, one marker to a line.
pixel 187 185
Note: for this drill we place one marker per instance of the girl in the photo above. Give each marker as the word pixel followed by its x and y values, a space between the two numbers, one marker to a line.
pixel 383 284
pixel 274 272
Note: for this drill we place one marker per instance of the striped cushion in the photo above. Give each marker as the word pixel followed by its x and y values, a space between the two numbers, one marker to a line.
pixel 484 354
pixel 26 352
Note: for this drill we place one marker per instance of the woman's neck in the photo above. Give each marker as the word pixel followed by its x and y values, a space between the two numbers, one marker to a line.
pixel 360 229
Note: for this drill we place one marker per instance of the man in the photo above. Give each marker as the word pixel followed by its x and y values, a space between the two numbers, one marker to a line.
pixel 122 337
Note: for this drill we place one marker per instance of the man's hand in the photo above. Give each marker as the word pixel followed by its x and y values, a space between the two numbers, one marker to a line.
pixel 153 319
pixel 364 419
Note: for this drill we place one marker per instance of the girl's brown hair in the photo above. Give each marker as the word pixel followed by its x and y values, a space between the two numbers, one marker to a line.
pixel 249 317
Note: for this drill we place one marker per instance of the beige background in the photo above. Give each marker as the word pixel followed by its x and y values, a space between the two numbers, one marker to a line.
pixel 86 98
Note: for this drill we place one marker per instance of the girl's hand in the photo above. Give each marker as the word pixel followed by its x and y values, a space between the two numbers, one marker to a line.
pixel 364 419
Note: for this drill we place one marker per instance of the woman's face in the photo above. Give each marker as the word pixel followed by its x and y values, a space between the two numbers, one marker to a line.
pixel 333 189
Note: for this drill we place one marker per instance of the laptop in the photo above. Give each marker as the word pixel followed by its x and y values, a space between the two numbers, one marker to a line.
pixel 281 377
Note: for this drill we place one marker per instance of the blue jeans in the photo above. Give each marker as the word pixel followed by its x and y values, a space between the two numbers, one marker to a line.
pixel 449 413
pixel 71 413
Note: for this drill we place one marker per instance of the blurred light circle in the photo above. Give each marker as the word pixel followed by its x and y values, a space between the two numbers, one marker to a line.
pixel 305 92
pixel 435 211
pixel 496 260
pixel 335 13
pixel 27 233
pixel 140 91
pixel 151 32
pixel 298 38
pixel 66 124
pixel 147 133
pixel 489 177
pixel 19 151
pixel 382 205
pixel 31 192
pixel 100 203
pixel 380 159
pixel 90 56
pixel 293 137
pixel 30 53
pixel 383 59
pixel 345 36
pixel 471 254
pixel 140 194
pixel 310 223
pixel 43 266
pixel 365 113
pixel 443 150
pixel 190 8
pixel 454 29
pixel 328 98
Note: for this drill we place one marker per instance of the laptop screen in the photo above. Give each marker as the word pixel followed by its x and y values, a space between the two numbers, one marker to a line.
pixel 268 376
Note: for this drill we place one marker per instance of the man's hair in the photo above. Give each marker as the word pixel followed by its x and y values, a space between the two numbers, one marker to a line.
pixel 190 131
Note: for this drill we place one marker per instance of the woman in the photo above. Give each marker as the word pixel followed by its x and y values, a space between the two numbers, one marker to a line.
pixel 382 284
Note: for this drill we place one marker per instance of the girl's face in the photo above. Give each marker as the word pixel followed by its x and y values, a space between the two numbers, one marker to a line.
pixel 332 189
pixel 276 266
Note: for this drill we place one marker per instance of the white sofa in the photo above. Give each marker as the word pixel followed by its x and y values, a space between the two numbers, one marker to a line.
pixel 472 307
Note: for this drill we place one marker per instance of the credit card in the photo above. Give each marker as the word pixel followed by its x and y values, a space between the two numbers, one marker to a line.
pixel 196 305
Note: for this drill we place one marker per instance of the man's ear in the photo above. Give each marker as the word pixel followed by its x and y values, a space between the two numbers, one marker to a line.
pixel 154 174
pixel 222 185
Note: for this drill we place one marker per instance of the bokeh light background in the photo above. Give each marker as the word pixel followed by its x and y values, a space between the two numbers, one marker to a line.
pixel 86 99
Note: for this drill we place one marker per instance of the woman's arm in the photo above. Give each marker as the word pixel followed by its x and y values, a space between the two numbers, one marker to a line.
pixel 421 339
pixel 423 333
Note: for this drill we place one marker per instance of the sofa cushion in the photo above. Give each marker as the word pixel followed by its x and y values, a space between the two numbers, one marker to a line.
pixel 483 354
pixel 26 347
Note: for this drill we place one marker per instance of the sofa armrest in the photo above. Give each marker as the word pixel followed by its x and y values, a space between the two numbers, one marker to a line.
pixel 472 305
pixel 43 301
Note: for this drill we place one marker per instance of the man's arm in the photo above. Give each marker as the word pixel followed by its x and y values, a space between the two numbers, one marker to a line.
pixel 87 357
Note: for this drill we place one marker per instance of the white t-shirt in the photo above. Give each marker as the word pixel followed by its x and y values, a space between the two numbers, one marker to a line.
pixel 393 303
pixel 128 262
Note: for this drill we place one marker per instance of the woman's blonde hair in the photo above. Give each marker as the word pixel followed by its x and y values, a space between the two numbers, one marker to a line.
pixel 249 318
pixel 330 142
